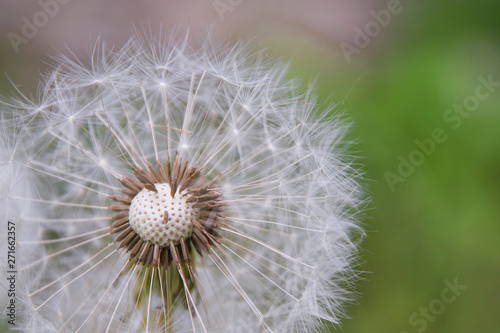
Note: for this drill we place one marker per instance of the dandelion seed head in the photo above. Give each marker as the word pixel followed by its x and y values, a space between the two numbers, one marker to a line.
pixel 162 188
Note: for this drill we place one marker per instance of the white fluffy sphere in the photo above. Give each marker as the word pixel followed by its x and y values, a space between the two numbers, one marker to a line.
pixel 267 231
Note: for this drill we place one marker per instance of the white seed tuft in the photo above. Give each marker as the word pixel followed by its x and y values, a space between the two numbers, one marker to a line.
pixel 276 251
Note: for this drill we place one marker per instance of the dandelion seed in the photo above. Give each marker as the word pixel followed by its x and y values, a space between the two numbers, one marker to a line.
pixel 166 189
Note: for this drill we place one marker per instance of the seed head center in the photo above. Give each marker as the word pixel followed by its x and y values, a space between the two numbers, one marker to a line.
pixel 161 218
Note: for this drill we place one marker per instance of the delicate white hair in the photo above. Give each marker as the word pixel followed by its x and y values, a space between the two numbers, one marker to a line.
pixel 291 198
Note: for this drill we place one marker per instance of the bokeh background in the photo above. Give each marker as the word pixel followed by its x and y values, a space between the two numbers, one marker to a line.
pixel 439 222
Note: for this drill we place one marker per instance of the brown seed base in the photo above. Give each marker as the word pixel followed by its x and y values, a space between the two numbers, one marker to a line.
pixel 180 178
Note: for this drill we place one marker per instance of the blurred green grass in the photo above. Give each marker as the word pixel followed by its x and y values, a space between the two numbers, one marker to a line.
pixel 442 223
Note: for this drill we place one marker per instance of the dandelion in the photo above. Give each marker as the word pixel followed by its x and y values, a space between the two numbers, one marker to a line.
pixel 169 189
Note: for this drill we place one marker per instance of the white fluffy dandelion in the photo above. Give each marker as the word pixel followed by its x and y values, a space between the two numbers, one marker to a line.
pixel 167 189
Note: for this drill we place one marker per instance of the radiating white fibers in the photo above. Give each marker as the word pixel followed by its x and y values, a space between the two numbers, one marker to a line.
pixel 274 192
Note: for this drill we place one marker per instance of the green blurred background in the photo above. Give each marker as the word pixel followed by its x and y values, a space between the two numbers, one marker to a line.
pixel 442 222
